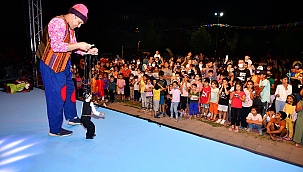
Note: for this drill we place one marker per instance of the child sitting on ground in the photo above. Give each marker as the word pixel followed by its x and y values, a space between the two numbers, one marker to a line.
pixel 254 120
pixel 268 116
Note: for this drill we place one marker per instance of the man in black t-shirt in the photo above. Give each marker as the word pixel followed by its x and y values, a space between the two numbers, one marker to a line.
pixel 163 83
pixel 242 73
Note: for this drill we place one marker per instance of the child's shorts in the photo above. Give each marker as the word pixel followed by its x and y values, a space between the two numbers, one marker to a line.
pixel 193 108
pixel 213 108
pixel 161 100
pixel 120 91
pixel 156 105
pixel 204 106
pixel 223 108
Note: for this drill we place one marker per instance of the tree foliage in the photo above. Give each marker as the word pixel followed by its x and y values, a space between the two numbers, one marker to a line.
pixel 200 40
pixel 247 44
pixel 232 42
pixel 152 37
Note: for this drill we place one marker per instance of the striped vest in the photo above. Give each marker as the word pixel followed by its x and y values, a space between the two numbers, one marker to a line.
pixel 55 60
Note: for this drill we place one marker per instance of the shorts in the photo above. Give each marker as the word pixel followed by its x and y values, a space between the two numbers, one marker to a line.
pixel 120 91
pixel 156 105
pixel 223 108
pixel 204 106
pixel 97 94
pixel 193 108
pixel 213 108
pixel 161 100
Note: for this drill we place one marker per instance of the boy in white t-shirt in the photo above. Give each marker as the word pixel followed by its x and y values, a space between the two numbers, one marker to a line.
pixel 254 120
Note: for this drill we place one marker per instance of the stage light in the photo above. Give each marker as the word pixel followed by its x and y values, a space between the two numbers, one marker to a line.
pixel 10 145
pixel 13 159
pixel 16 150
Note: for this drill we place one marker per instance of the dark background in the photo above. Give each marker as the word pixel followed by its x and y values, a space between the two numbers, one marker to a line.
pixel 15 30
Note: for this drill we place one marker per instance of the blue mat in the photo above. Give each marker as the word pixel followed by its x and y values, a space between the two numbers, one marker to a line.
pixel 123 143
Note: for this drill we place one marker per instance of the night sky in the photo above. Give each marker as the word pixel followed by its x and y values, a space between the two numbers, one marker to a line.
pixel 236 12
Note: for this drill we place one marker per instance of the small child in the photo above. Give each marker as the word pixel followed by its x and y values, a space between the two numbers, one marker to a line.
pixel 142 85
pixel 88 109
pixel 214 99
pixel 254 120
pixel 290 110
pixel 131 86
pixel 176 93
pixel 268 116
pixel 236 97
pixel 94 87
pixel 156 100
pixel 121 85
pixel 193 101
pixel 111 89
pixel 205 98
pixel 100 85
pixel 78 84
pixel 136 89
pixel 149 94
pixel 223 101
pixel 106 81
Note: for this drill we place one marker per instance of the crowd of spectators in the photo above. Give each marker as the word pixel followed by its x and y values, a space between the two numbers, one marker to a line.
pixel 264 96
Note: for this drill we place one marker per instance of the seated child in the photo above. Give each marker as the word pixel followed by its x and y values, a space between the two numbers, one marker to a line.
pixel 254 120
pixel 277 126
pixel 88 109
pixel 268 116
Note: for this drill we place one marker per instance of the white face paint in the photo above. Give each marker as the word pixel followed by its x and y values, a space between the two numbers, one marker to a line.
pixel 88 98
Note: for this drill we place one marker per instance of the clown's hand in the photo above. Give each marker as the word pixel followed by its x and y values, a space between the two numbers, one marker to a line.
pixel 93 51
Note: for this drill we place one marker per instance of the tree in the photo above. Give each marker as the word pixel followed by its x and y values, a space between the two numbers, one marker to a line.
pixel 247 44
pixel 200 40
pixel 152 37
pixel 232 42
pixel 289 43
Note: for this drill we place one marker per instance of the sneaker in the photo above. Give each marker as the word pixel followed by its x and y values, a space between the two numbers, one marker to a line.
pixel 260 133
pixel 74 121
pixel 218 121
pixel 222 121
pixel 248 129
pixel 62 133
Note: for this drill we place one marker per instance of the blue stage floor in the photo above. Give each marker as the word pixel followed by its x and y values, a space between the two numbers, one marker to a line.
pixel 123 143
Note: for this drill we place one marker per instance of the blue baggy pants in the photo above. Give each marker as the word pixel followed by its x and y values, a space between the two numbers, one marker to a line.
pixel 60 96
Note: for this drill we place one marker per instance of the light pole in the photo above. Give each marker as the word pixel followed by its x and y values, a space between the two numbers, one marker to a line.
pixel 217 15
pixel 138 46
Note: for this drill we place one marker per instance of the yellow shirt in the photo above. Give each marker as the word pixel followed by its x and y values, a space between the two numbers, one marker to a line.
pixel 289 109
pixel 142 86
pixel 156 94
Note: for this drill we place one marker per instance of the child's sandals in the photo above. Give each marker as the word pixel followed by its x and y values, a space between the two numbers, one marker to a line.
pixel 231 128
pixel 297 145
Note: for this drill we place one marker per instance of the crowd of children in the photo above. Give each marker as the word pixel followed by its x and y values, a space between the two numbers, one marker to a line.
pixel 225 92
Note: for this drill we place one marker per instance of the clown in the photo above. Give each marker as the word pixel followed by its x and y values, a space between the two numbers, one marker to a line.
pixel 54 51
pixel 88 109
